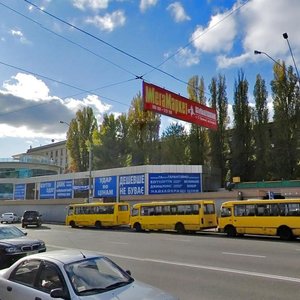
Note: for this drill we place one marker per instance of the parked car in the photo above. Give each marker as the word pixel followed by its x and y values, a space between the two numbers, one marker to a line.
pixel 31 217
pixel 14 244
pixel 73 274
pixel 9 217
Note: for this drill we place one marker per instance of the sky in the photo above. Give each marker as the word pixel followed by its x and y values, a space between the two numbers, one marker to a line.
pixel 59 56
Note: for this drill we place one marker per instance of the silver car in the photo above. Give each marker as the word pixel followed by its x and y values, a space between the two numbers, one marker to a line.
pixel 73 274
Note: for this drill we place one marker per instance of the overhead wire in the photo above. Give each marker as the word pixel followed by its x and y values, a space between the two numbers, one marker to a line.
pixel 198 36
pixel 63 83
pixel 108 44
pixel 68 40
pixel 130 55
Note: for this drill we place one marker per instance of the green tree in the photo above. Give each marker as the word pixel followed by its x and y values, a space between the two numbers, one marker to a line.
pixel 242 136
pixel 80 139
pixel 219 138
pixel 143 133
pixel 174 148
pixel 262 144
pixel 111 149
pixel 198 139
pixel 286 101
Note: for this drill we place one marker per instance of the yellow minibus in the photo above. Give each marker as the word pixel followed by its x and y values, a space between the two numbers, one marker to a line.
pixel 180 216
pixel 279 217
pixel 98 214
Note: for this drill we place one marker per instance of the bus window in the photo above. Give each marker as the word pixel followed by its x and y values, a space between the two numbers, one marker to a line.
pixel 70 210
pixel 225 212
pixel 135 212
pixel 166 210
pixel 158 210
pixel 123 207
pixel 239 210
pixel 209 209
pixel 147 211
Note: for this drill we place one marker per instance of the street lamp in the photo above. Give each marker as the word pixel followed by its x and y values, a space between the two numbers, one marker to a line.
pixel 256 52
pixel 286 37
pixel 90 149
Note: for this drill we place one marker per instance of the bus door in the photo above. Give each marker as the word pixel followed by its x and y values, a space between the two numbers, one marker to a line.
pixel 244 217
pixel 123 214
pixel 209 218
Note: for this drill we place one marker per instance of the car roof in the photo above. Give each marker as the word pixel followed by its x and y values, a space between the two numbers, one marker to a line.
pixel 66 256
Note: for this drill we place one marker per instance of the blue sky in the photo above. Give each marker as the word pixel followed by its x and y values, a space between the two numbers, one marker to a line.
pixel 49 69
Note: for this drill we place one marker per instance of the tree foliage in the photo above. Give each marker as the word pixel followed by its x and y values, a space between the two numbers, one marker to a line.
pixel 219 148
pixel 80 139
pixel 198 139
pixel 253 148
pixel 174 147
pixel 262 143
pixel 242 138
pixel 143 133
pixel 286 101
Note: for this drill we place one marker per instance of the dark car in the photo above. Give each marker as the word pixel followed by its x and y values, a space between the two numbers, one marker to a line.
pixel 31 217
pixel 15 244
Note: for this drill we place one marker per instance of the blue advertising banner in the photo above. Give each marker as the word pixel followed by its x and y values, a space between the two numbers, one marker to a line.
pixel 47 190
pixel 174 183
pixel 106 186
pixel 64 188
pixel 19 192
pixel 132 184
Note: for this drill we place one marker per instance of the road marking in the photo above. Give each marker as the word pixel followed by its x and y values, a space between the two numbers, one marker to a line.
pixel 177 240
pixel 194 266
pixel 242 254
pixel 119 243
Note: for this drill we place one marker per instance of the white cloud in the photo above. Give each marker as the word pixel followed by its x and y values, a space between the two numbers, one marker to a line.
pixel 19 35
pixel 226 62
pixel 108 22
pixel 27 87
pixel 178 13
pixel 261 26
pixel 92 4
pixel 27 109
pixel 216 37
pixel 185 57
pixel 146 4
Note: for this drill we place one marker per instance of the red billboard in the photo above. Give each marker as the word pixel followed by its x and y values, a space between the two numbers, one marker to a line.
pixel 168 103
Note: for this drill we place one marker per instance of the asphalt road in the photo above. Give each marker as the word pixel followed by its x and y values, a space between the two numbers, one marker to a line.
pixel 193 267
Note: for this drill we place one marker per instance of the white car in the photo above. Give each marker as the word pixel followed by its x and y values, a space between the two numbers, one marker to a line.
pixel 73 274
pixel 9 217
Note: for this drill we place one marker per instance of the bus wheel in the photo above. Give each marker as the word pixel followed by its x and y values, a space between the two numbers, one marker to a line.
pixel 285 233
pixel 98 224
pixel 179 227
pixel 137 227
pixel 230 231
pixel 72 224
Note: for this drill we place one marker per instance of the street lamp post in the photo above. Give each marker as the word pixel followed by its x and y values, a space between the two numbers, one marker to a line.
pixel 256 52
pixel 90 149
pixel 286 37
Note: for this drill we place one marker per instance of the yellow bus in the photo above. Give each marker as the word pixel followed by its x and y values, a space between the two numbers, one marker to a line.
pixel 280 217
pixel 180 216
pixel 98 214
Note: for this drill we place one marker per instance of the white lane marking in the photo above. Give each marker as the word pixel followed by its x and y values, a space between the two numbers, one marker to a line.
pixel 194 266
pixel 177 240
pixel 119 243
pixel 242 254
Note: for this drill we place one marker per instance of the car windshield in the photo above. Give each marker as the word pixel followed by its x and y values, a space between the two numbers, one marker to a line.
pixel 10 232
pixel 31 214
pixel 96 275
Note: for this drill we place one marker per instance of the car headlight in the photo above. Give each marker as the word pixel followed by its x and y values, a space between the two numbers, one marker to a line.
pixel 11 249
pixel 42 244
